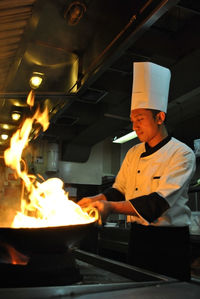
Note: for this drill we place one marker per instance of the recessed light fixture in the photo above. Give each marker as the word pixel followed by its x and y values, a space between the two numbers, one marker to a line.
pixel 16 115
pixel 74 12
pixel 125 138
pixel 5 127
pixel 4 136
pixel 36 80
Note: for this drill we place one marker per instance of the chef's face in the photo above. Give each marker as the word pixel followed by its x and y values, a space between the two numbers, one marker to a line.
pixel 146 125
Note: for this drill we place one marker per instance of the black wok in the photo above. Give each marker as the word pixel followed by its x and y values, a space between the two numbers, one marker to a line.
pixel 43 240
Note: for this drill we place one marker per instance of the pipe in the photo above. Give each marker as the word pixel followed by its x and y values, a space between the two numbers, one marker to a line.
pixel 132 19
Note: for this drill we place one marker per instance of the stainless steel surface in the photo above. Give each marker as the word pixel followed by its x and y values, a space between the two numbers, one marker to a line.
pixel 167 291
pixel 134 273
pixel 102 283
pixel 74 291
pixel 127 290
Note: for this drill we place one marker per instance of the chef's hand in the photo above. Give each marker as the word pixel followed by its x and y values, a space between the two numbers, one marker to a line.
pixel 103 207
pixel 86 201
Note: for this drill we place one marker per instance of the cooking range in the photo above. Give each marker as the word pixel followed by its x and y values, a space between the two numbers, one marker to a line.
pixel 47 262
pixel 29 258
pixel 74 273
pixel 40 256
pixel 41 270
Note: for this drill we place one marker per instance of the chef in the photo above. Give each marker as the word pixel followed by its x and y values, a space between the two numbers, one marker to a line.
pixel 151 187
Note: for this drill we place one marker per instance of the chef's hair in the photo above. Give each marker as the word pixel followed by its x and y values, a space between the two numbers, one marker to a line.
pixel 155 112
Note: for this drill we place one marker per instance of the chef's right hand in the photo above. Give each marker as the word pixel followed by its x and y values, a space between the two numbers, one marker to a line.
pixel 86 201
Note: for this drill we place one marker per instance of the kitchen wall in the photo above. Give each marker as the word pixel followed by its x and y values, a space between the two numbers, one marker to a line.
pixel 104 160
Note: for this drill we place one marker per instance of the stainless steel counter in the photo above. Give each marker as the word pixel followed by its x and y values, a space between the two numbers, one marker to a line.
pixel 129 291
pixel 101 276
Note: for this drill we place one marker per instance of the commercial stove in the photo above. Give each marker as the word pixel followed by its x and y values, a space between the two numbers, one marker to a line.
pixel 80 274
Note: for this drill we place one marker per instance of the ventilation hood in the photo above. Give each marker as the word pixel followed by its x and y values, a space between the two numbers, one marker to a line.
pixel 85 51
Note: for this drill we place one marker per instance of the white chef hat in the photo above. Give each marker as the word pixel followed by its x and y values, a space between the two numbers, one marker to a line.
pixel 150 86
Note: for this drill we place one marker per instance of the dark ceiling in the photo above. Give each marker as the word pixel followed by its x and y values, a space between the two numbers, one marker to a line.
pixel 87 65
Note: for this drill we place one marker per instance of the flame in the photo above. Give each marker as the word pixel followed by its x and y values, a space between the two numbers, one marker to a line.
pixel 48 203
pixel 13 256
pixel 30 99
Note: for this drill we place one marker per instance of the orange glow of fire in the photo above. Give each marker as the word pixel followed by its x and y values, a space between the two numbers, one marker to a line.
pixel 15 257
pixel 48 203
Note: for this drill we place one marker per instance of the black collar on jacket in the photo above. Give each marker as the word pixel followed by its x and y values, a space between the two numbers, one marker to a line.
pixel 151 150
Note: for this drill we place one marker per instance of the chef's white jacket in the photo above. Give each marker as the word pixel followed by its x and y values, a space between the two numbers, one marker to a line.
pixel 157 182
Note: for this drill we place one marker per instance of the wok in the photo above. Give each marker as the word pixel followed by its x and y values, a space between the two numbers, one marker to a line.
pixel 44 239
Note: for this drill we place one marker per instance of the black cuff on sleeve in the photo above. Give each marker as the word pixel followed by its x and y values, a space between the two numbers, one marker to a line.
pixel 113 194
pixel 151 206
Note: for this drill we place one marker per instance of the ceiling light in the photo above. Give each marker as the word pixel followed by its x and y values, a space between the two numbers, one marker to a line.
pixel 5 127
pixel 125 138
pixel 74 12
pixel 36 80
pixel 16 115
pixel 4 136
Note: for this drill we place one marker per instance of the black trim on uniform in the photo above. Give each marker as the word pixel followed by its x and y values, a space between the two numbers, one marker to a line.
pixel 151 206
pixel 113 194
pixel 151 150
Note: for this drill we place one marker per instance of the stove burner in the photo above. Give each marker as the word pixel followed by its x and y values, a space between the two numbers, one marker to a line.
pixel 42 270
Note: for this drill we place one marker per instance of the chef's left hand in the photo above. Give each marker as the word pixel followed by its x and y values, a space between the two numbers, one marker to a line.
pixel 104 208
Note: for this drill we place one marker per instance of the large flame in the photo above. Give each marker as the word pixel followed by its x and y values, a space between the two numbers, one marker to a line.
pixel 48 203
